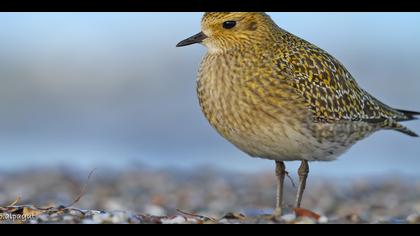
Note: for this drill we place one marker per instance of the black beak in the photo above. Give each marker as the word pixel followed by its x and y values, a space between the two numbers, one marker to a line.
pixel 198 38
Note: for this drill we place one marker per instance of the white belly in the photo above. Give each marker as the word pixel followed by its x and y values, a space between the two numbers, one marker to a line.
pixel 285 143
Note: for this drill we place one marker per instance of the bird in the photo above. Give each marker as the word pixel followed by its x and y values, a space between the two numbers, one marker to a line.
pixel 279 97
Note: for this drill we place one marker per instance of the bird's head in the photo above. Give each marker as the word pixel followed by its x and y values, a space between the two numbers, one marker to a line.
pixel 223 31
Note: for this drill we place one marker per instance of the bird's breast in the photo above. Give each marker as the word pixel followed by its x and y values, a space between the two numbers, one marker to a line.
pixel 252 109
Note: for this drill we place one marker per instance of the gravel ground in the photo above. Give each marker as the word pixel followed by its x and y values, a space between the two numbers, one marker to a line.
pixel 140 195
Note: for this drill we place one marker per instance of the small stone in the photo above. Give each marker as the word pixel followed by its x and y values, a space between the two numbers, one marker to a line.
pixel 119 217
pixel 323 220
pixel 234 216
pixel 101 218
pixel 68 218
pixel 134 220
pixel 154 210
pixel 89 222
pixel 354 218
pixel 288 218
pixel 305 220
pixel 224 221
pixel 55 216
pixel 173 220
pixel 192 220
pixel 75 213
pixel 413 219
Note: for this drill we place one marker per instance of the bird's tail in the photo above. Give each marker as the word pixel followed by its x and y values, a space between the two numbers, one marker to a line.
pixel 411 115
pixel 393 125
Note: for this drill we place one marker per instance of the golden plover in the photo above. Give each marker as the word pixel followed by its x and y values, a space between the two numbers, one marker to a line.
pixel 276 96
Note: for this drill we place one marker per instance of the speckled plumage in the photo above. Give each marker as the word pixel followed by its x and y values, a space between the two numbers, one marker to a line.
pixel 279 97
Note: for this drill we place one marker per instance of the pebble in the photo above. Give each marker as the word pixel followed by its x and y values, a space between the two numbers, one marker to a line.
pixel 174 220
pixel 413 219
pixel 68 218
pixel 323 220
pixel 154 210
pixel 305 220
pixel 101 218
pixel 119 217
pixel 377 201
pixel 89 222
pixel 288 218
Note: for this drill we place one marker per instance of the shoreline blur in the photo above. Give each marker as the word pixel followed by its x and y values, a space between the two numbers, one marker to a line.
pixel 210 192
pixel 82 89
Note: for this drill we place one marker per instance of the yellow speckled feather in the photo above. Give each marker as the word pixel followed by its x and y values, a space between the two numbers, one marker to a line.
pixel 277 96
pixel 327 86
pixel 329 90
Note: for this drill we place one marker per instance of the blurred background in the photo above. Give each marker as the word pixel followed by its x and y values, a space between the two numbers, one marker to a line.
pixel 93 90
pixel 111 91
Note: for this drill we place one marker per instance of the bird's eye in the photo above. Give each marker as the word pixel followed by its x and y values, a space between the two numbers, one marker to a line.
pixel 229 24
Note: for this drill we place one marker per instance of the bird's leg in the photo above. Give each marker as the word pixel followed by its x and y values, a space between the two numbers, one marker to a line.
pixel 280 174
pixel 303 175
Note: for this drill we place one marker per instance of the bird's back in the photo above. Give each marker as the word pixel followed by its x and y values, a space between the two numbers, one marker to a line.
pixel 330 91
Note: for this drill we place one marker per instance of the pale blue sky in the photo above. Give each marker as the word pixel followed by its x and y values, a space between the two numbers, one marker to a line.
pixel 91 89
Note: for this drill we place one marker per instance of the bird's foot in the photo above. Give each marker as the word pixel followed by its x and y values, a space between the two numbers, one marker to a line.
pixel 277 214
